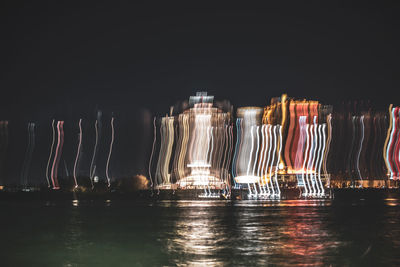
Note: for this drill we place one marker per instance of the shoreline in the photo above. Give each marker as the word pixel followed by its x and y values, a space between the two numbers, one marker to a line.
pixel 193 194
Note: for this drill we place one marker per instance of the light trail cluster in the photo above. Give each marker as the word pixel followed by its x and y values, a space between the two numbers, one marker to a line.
pixel 358 145
pixel 57 154
pixel 267 148
pixel 195 148
pixel 257 154
pixel 205 145
pixel 307 145
pixel 198 149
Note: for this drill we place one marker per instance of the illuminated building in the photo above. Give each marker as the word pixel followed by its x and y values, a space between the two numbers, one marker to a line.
pixel 289 138
pixel 257 154
pixel 195 147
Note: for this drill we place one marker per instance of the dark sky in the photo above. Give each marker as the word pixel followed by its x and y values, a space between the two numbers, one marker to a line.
pixel 62 61
pixel 115 55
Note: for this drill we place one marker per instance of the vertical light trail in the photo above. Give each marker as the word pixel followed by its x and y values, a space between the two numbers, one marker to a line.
pixel 92 169
pixel 208 145
pixel 304 162
pixel 152 151
pixel 388 135
pixel 318 159
pixel 299 157
pixel 170 131
pixel 55 157
pixel 250 156
pixel 197 135
pixel 311 160
pixel 218 168
pixel 51 153
pixel 314 143
pixel 262 159
pixel 237 146
pixel 222 136
pixel 178 137
pixel 60 140
pixel 272 161
pixel 182 154
pixel 230 152
pixel 279 158
pixel 273 157
pixel 255 158
pixel 361 144
pixel 78 152
pixel 186 141
pixel 308 178
pixel 160 154
pixel 290 137
pixel 263 177
pixel 390 144
pixel 317 151
pixel 256 155
pixel 241 149
pixel 284 104
pixel 328 142
pixel 212 146
pixel 396 151
pixel 251 151
pixel 224 160
pixel 182 147
pixel 265 170
pixel 322 140
pixel 109 153
pixel 397 145
pixel 165 150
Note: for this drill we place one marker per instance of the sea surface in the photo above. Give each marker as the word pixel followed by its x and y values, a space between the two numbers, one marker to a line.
pixel 357 232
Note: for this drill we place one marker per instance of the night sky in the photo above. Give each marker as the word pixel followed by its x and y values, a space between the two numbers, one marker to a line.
pixel 63 61
pixel 116 54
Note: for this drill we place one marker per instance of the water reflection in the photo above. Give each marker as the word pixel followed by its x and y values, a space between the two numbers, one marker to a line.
pixel 306 237
pixel 189 233
pixel 393 202
pixel 250 232
pixel 73 242
pixel 75 203
pixel 198 235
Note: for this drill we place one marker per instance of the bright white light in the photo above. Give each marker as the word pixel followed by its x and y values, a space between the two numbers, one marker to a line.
pixel 247 179
pixel 281 166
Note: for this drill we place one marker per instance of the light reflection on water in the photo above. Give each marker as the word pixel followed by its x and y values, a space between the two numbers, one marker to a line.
pixel 255 232
pixel 196 233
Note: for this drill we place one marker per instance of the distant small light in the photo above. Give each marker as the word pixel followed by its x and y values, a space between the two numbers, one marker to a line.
pixel 96 179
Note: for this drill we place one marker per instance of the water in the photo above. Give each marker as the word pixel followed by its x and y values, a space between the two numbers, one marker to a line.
pixel 170 233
